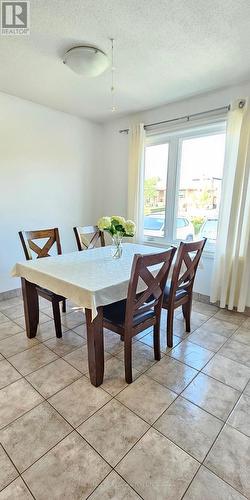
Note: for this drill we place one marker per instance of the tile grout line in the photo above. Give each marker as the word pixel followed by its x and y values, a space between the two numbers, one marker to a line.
pixel 49 362
pixel 57 411
pixel 114 355
pixel 151 426
pixel 54 446
pixel 74 429
pixel 113 470
pixel 20 416
pixel 222 428
pixel 143 373
pixel 223 480
pixel 200 370
pixel 19 475
pixel 114 397
pixel 87 418
pixel 224 422
pixel 182 497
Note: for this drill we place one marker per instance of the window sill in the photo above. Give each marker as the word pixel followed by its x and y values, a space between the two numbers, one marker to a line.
pixel 207 254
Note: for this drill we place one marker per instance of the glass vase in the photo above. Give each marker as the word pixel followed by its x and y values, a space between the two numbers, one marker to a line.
pixel 116 248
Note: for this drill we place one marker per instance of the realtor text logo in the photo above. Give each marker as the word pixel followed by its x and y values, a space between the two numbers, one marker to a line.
pixel 15 18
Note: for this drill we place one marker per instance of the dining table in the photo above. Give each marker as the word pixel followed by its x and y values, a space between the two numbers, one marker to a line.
pixel 91 279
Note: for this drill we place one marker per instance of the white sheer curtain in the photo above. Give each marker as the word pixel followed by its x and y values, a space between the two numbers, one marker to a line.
pixel 136 177
pixel 231 277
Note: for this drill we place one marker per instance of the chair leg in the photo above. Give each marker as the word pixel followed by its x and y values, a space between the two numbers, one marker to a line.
pixel 128 359
pixel 157 346
pixel 186 309
pixel 64 306
pixel 57 318
pixel 170 320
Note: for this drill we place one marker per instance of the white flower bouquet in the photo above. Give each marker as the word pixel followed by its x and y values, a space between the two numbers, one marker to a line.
pixel 117 227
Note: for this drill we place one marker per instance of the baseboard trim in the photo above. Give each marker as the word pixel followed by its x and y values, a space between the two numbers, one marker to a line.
pixel 206 299
pixel 10 294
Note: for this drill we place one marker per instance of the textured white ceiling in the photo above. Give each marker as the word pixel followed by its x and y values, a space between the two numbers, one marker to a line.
pixel 165 50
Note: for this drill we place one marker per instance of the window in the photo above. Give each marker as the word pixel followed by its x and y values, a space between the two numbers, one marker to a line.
pixel 182 184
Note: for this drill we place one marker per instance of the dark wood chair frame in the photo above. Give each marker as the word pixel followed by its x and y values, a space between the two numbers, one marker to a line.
pixel 182 280
pixel 150 299
pixel 88 230
pixel 27 239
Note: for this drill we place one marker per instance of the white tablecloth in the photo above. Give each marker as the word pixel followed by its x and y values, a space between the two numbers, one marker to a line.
pixel 90 278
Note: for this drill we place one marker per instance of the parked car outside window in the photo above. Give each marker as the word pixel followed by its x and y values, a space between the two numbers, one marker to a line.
pixel 209 229
pixel 154 226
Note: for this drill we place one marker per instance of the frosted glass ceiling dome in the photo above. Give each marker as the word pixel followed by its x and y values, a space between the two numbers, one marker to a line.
pixel 86 60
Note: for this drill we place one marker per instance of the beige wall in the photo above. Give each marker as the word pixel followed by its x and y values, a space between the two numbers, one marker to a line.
pixel 47 164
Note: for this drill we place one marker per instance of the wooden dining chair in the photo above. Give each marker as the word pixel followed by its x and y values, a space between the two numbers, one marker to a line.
pixel 180 291
pixel 140 310
pixel 88 237
pixel 29 243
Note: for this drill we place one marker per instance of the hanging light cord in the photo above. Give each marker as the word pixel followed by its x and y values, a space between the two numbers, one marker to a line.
pixel 112 88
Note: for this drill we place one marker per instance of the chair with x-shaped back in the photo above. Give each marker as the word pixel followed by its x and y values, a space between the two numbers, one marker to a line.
pixel 29 245
pixel 180 291
pixel 88 237
pixel 142 308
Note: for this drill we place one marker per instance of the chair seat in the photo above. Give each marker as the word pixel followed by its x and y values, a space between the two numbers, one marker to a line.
pixel 179 293
pixel 115 313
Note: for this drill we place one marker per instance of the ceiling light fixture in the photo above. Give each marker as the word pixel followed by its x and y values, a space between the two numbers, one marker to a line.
pixel 86 60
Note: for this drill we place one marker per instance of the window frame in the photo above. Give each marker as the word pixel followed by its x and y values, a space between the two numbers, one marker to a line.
pixel 174 139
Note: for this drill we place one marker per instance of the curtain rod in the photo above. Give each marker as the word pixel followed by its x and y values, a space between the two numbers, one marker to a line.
pixel 187 117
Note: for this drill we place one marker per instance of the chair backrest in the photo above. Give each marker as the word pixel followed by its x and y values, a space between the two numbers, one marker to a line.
pixel 153 279
pixel 88 237
pixel 185 266
pixel 27 239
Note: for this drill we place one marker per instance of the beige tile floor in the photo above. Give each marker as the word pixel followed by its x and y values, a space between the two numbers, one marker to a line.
pixel 180 431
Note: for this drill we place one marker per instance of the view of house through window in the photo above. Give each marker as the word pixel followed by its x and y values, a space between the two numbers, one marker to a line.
pixel 155 182
pixel 182 186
